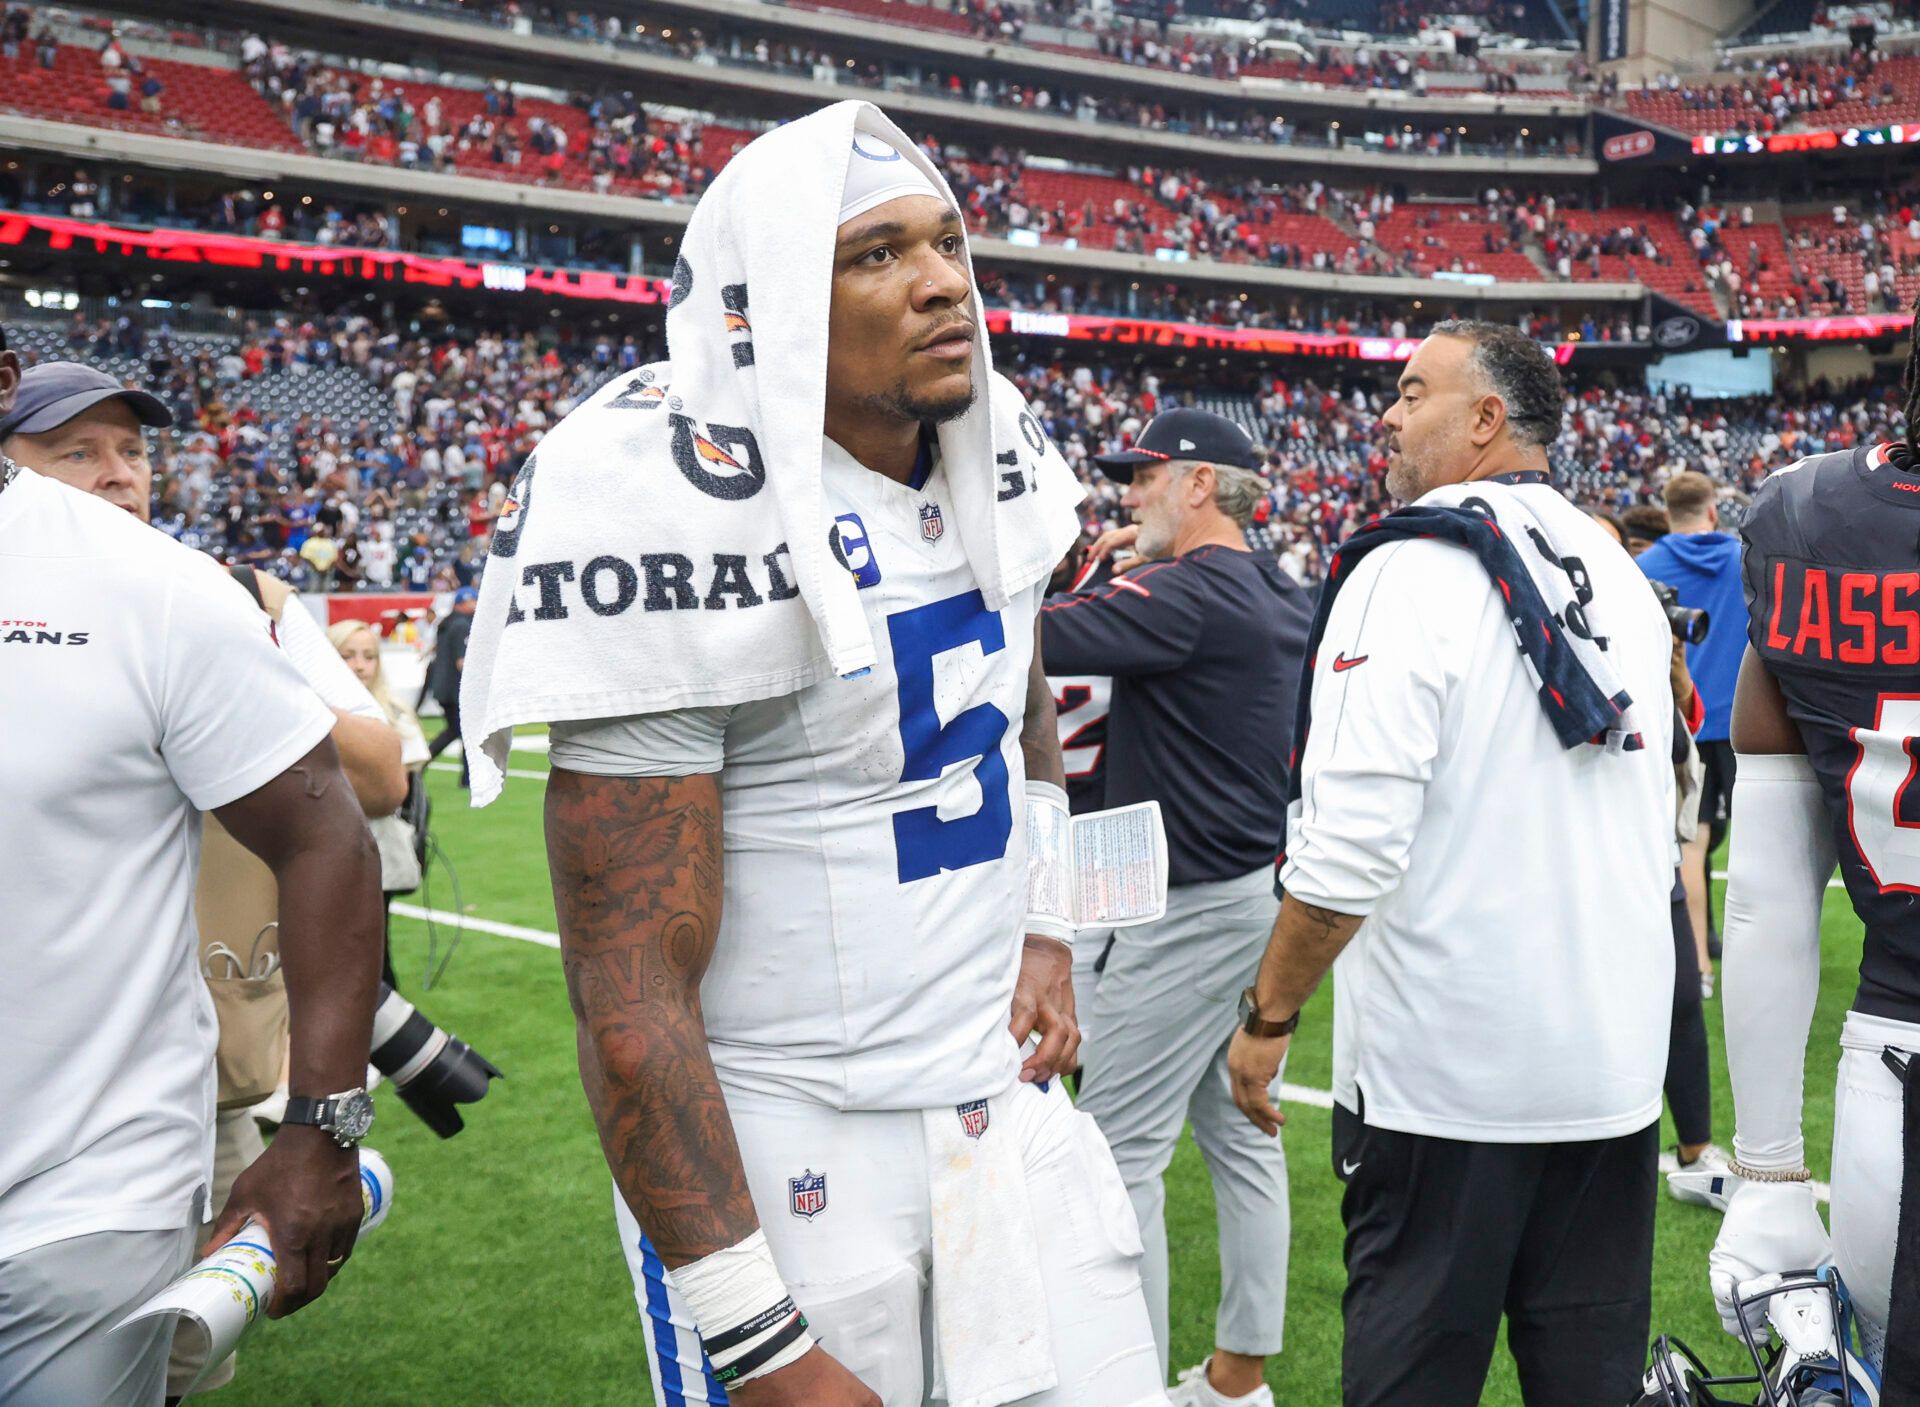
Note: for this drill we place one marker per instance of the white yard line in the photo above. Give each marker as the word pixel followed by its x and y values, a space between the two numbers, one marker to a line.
pixel 511 771
pixel 478 925
pixel 1289 1093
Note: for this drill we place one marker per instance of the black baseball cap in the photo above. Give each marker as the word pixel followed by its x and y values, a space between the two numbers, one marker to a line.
pixel 52 393
pixel 1184 434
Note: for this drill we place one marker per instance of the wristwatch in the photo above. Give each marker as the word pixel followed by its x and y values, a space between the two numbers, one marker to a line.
pixel 347 1115
pixel 1254 1025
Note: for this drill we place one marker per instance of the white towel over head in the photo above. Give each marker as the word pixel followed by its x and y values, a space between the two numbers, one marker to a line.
pixel 669 544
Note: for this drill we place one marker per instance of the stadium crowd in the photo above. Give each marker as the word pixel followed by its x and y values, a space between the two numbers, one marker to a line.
pixel 405 498
pixel 1124 35
pixel 346 113
pixel 1785 89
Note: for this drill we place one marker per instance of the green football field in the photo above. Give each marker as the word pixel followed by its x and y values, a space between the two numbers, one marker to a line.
pixel 498 1278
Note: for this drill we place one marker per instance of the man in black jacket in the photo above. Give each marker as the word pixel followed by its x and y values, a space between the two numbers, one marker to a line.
pixel 443 674
pixel 1205 645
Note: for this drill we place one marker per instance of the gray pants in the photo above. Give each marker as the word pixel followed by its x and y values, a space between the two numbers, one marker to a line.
pixel 236 1143
pixel 58 1306
pixel 1163 1014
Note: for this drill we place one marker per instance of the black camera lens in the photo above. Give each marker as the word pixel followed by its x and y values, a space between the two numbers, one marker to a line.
pixel 434 1071
pixel 1687 623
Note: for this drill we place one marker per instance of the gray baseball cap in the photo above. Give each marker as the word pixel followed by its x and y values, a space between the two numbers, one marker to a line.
pixel 52 393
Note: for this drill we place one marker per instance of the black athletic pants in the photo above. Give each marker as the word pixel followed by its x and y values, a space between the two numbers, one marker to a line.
pixel 449 736
pixel 1689 1088
pixel 1716 807
pixel 1443 1237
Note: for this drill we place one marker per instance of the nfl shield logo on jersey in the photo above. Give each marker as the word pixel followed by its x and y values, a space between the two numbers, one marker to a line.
pixel 930 525
pixel 807 1194
pixel 973 1117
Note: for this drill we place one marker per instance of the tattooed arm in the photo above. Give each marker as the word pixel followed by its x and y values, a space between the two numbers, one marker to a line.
pixel 1306 939
pixel 636 867
pixel 636 883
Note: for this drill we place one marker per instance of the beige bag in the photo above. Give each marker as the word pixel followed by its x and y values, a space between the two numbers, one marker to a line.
pixel 237 905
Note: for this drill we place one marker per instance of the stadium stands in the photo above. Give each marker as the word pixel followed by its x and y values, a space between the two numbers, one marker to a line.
pixel 1789 94
pixel 1832 257
pixel 404 447
pixel 1453 237
pixel 1640 245
pixel 209 102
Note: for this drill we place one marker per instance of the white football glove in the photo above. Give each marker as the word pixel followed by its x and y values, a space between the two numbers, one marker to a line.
pixel 1770 1227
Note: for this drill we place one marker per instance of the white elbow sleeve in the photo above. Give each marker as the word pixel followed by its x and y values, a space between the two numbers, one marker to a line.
pixel 1780 858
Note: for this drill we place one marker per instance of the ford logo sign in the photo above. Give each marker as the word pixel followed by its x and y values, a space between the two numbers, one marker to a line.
pixel 1676 332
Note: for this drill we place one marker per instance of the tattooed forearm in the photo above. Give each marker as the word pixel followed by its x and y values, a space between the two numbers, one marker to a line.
pixel 636 884
pixel 1306 939
pixel 1040 731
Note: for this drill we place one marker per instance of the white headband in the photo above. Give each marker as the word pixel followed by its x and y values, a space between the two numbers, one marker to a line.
pixel 877 173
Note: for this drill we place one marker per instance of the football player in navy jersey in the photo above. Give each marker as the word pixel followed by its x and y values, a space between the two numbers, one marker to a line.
pixel 1826 714
pixel 1081 701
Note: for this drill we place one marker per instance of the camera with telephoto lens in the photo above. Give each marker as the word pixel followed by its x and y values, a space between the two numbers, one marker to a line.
pixel 1685 622
pixel 434 1071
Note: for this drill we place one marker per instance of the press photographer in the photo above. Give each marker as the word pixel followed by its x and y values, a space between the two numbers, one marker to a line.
pixel 1700 566
pixel 432 1070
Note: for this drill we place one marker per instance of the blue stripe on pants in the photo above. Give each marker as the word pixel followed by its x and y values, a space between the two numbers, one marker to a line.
pixel 666 1343
pixel 666 1340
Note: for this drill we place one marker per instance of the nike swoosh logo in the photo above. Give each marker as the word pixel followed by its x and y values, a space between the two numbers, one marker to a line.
pixel 1341 664
pixel 1349 1169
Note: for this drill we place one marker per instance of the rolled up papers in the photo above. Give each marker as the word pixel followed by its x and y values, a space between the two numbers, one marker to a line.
pixel 218 1300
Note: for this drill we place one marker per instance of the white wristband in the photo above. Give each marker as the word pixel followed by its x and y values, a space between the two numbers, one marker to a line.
pixel 741 1308
pixel 1046 857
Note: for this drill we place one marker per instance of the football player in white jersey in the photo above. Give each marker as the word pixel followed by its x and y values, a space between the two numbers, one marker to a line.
pixel 793 940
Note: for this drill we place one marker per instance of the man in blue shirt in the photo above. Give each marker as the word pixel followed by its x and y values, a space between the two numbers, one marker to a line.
pixel 1702 564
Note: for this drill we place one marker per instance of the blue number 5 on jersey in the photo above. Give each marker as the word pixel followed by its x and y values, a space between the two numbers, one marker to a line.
pixel 924 843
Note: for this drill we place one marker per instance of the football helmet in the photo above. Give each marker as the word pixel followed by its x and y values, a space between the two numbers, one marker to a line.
pixel 1807 1360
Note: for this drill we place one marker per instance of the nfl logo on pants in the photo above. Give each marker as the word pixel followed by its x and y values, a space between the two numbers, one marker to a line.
pixel 973 1117
pixel 807 1194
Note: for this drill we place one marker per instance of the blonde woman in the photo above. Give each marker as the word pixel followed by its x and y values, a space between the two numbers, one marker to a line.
pixel 359 645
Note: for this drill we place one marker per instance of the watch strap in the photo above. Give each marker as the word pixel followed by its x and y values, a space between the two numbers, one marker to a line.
pixel 304 1109
pixel 1258 1026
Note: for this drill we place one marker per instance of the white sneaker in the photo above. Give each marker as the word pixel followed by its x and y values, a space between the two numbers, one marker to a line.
pixel 1705 1182
pixel 1193 1390
pixel 1706 986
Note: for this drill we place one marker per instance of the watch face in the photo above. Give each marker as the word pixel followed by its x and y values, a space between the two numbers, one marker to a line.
pixel 1246 1005
pixel 352 1116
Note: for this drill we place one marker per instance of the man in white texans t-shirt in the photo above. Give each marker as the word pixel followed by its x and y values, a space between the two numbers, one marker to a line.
pixel 139 687
pixel 792 932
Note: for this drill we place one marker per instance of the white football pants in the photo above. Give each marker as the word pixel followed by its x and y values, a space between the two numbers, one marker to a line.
pixel 860 1267
pixel 1866 1166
